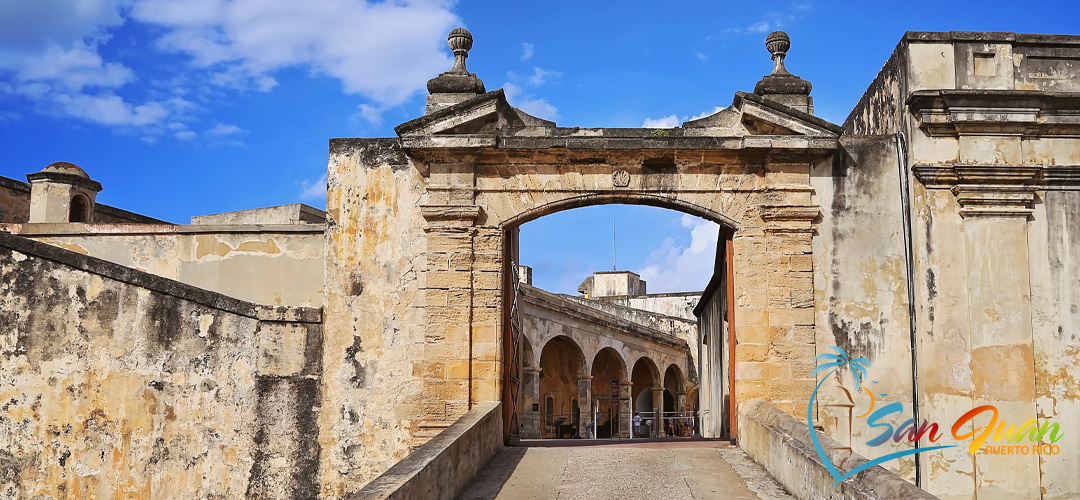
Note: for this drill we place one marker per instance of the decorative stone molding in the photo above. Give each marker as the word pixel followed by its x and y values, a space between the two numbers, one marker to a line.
pixel 986 190
pixel 789 218
pixel 448 216
pixel 998 201
pixel 620 178
pixel 945 113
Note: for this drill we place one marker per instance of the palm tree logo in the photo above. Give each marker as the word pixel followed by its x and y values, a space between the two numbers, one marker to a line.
pixel 832 363
pixel 837 361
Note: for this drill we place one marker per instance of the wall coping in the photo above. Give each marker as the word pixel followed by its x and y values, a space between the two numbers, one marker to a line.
pixel 129 229
pixel 396 478
pixel 873 483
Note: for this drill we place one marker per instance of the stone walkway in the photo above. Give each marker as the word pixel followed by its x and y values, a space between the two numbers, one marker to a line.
pixel 654 470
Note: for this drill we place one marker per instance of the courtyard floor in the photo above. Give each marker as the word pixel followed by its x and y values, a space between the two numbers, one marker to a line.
pixel 602 470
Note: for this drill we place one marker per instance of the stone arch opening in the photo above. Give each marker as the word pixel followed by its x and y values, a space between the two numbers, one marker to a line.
pixel 640 398
pixel 646 384
pixel 608 376
pixel 562 365
pixel 79 210
pixel 599 198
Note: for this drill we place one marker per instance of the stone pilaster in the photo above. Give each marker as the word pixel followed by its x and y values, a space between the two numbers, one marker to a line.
pixel 995 204
pixel 658 411
pixel 625 408
pixel 530 395
pixel 585 403
pixel 789 320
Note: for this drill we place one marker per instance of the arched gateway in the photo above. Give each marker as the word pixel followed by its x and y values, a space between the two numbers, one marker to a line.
pixel 424 232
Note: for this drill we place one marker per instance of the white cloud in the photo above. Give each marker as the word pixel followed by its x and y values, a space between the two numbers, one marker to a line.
pixel 537 107
pixel 223 129
pixel 665 122
pixel 540 76
pixel 673 268
pixel 384 51
pixel 759 27
pixel 527 51
pixel 371 114
pixel 701 56
pixel 715 110
pixel 186 135
pixel 313 190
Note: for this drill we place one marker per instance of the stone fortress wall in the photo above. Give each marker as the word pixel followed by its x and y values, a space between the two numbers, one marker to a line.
pixel 932 233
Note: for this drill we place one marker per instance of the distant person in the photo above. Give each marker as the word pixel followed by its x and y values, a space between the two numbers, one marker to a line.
pixel 637 425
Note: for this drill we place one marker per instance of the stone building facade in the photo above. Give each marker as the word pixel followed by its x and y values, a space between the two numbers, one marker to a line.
pixel 933 233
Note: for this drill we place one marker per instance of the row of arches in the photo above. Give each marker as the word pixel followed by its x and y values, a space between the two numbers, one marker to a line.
pixel 564 392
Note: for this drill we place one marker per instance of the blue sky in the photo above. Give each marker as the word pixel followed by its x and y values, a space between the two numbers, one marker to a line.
pixel 190 107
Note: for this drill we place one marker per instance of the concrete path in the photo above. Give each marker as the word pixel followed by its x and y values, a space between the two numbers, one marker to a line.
pixel 653 470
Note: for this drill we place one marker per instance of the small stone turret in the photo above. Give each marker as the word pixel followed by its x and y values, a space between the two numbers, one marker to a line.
pixel 458 84
pixel 62 192
pixel 780 85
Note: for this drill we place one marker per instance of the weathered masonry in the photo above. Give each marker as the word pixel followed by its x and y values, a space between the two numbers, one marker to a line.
pixel 935 232
pixel 956 176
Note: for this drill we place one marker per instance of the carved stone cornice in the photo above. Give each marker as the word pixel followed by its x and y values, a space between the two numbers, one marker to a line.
pixel 949 113
pixel 450 216
pixel 994 200
pixel 947 176
pixel 789 218
pixel 987 190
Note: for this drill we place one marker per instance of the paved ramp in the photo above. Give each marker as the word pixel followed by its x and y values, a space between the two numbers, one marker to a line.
pixel 653 470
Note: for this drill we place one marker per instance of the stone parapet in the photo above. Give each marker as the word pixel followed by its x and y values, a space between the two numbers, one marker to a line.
pixel 444 466
pixel 782 445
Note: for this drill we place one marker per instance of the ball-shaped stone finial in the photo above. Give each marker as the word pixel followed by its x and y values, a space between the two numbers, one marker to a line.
pixel 460 39
pixel 778 42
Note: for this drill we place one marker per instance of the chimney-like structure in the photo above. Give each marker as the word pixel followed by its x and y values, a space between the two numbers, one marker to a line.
pixel 458 84
pixel 781 86
pixel 62 192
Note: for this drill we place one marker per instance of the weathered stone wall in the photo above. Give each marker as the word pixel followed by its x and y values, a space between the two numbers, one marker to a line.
pixel 121 384
pixel 782 445
pixel 274 265
pixel 385 374
pixel 988 145
pixel 15 207
pixel 14 201
pixel 680 305
pixel 683 328
pixel 861 284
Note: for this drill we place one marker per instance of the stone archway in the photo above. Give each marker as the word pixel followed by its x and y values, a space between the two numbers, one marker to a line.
pixel 423 232
pixel 562 366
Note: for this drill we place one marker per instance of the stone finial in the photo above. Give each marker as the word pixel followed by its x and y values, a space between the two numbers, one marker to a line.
pixel 780 85
pixel 460 41
pixel 458 80
pixel 778 44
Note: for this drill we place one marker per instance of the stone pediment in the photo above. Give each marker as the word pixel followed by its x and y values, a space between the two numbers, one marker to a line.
pixel 485 114
pixel 491 115
pixel 751 114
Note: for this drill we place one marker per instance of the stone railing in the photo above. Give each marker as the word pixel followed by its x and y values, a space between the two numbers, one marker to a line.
pixel 782 445
pixel 443 467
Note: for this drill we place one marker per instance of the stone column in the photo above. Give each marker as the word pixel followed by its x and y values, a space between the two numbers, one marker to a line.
pixel 530 387
pixel 625 408
pixel 996 204
pixel 658 411
pixel 584 388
